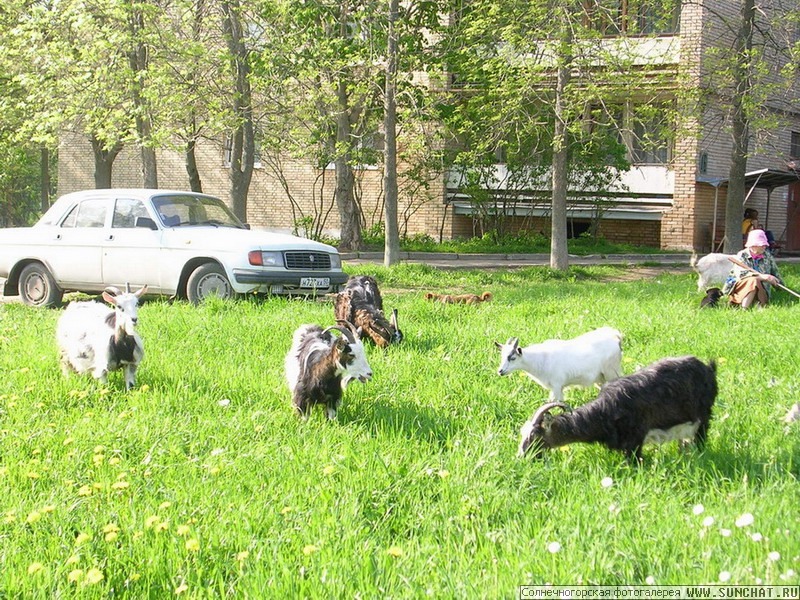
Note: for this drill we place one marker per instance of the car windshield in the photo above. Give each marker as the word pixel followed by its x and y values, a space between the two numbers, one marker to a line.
pixel 187 211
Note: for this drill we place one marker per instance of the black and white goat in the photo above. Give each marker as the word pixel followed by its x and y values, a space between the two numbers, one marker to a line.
pixel 669 400
pixel 594 357
pixel 361 303
pixel 94 337
pixel 319 366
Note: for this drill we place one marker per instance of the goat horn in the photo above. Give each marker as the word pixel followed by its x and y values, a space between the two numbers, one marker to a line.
pixel 348 330
pixel 546 408
pixel 127 287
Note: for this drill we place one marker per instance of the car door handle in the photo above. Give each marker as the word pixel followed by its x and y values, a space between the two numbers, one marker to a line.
pixel 110 237
pixel 58 236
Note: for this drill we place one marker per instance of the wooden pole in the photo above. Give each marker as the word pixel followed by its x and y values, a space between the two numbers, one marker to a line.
pixel 739 263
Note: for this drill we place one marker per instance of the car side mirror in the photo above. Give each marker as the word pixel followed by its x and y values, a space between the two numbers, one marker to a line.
pixel 145 222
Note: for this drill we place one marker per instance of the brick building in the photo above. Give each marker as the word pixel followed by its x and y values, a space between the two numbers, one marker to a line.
pixel 673 199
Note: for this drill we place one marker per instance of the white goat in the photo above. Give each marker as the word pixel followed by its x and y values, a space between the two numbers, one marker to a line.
pixel 93 337
pixel 594 357
pixel 319 366
pixel 712 269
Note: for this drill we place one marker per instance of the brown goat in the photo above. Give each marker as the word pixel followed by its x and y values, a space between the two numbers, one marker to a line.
pixel 459 298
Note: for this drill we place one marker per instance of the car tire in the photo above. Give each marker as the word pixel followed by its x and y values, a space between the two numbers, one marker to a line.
pixel 206 281
pixel 37 286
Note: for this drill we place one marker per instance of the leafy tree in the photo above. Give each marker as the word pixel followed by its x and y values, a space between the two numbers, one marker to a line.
pixel 536 88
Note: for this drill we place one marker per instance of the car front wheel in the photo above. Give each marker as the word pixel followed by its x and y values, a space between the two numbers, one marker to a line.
pixel 37 286
pixel 206 281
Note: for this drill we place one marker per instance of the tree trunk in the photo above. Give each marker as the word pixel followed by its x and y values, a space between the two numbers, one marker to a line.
pixel 559 255
pixel 391 250
pixel 137 58
pixel 243 139
pixel 195 183
pixel 349 213
pixel 103 162
pixel 44 171
pixel 740 128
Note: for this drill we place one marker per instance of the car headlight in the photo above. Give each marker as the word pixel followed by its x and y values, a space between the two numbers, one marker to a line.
pixel 265 259
pixel 336 261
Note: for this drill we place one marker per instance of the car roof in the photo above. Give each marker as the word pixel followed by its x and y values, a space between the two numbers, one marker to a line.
pixel 131 192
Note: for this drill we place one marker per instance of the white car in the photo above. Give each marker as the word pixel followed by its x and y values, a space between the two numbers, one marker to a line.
pixel 178 243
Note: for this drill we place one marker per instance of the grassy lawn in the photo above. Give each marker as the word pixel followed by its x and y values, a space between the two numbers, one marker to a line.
pixel 202 482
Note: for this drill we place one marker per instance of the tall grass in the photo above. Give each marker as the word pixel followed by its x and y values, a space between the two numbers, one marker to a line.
pixel 203 483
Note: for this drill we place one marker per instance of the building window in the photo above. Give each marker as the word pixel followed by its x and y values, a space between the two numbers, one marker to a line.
pixel 794 148
pixel 632 17
pixel 227 152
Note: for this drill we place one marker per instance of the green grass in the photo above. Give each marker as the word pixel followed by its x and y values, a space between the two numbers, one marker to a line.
pixel 522 243
pixel 202 483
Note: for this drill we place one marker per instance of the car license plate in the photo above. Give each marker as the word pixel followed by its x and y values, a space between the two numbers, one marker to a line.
pixel 315 282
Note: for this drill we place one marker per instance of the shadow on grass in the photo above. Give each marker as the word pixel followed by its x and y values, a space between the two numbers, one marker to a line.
pixel 411 422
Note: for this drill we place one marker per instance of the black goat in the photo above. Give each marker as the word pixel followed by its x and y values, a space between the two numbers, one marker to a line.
pixel 668 400
pixel 361 304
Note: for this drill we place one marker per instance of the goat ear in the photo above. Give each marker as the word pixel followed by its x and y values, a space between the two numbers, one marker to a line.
pixel 498 345
pixel 109 298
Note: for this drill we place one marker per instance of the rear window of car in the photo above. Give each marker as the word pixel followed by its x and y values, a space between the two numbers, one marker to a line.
pixel 89 213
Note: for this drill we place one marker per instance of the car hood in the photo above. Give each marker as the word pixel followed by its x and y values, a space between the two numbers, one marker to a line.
pixel 227 238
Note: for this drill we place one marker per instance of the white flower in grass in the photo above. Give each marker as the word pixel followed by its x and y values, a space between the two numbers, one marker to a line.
pixel 756 537
pixel 725 532
pixel 606 482
pixel 774 556
pixel 745 520
pixel 724 576
pixel 553 547
pixel 788 575
pixel 708 521
pixel 650 580
pixel 225 402
pixel 698 509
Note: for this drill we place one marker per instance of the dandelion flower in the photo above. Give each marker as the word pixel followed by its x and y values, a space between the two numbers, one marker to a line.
pixel 774 556
pixel 328 470
pixel 181 589
pixel 242 556
pixel 192 545
pixel 33 475
pixel 75 575
pixel 606 482
pixel 182 530
pixel 745 520
pixel 286 510
pixel 698 509
pixel 309 549
pixel 114 460
pixel 34 568
pixel 94 576
pixel 724 576
pixel 33 517
pixel 144 388
pixel 708 521
pixel 99 449
pixel 151 521
pixel 73 560
pixel 164 505
pixel 163 526
pixel 120 485
pixel 395 551
pixel 68 441
pixel 111 536
pixel 553 547
pixel 85 490
pixel 111 528
pixel 443 473
pixel 82 538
